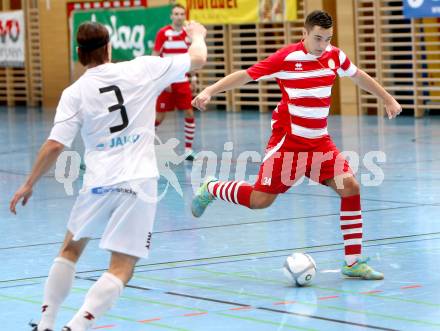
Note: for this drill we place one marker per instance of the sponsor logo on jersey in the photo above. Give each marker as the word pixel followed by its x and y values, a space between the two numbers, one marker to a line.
pixel 331 64
pixel 119 141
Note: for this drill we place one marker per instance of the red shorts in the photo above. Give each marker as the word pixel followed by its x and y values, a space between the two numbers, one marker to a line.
pixel 289 158
pixel 180 97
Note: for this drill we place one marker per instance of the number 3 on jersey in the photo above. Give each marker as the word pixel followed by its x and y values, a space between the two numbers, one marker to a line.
pixel 119 105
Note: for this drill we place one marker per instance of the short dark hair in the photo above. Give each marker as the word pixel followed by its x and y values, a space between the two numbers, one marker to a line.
pixel 319 18
pixel 92 39
pixel 178 5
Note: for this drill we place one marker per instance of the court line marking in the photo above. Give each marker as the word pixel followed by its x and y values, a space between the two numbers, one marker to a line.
pixel 249 254
pixel 116 317
pixel 233 224
pixel 241 306
pixel 328 289
pixel 277 299
pixel 153 321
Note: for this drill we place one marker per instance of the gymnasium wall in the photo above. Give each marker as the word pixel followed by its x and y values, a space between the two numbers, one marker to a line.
pixel 401 54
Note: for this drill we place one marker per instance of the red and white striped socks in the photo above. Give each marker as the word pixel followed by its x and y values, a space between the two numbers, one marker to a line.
pixel 232 191
pixel 351 227
pixel 190 129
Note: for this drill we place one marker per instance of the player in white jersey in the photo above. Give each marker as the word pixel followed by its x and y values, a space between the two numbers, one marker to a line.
pixel 113 105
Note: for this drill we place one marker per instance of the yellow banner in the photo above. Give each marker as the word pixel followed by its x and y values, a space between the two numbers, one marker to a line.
pixel 240 11
pixel 277 10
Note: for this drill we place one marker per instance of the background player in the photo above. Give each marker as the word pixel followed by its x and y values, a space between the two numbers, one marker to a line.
pixel 172 40
pixel 114 107
pixel 305 73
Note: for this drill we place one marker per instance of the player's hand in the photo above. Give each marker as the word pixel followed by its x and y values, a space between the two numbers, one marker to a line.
pixel 201 100
pixel 195 29
pixel 24 192
pixel 393 108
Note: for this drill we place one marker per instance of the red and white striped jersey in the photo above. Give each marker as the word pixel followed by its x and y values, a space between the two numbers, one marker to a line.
pixel 170 42
pixel 305 81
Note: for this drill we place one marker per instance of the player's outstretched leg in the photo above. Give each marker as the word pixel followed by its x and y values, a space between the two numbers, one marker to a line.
pixel 236 192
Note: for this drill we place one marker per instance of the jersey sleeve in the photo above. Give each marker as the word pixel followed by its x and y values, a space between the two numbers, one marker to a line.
pixel 268 67
pixel 67 120
pixel 346 68
pixel 165 71
pixel 160 40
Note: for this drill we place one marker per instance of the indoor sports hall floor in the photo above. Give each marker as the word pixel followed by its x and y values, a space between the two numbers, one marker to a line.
pixel 224 271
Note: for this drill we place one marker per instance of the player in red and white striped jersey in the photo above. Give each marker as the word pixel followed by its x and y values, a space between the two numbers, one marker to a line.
pixel 172 40
pixel 300 144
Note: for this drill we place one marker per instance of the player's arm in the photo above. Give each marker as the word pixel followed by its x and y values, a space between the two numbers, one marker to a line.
pixel 158 43
pixel 234 80
pixel 46 158
pixel 198 51
pixel 367 83
pixel 261 70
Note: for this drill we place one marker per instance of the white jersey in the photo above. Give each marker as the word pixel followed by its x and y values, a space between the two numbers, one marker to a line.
pixel 114 107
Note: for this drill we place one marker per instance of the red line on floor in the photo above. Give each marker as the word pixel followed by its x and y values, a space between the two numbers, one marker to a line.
pixel 242 308
pixel 104 327
pixel 284 303
pixel 196 314
pixel 150 320
pixel 330 297
pixel 372 292
pixel 411 286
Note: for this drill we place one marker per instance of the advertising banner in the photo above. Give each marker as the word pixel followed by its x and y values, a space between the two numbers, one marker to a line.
pixel 240 11
pixel 132 31
pixel 421 8
pixel 12 39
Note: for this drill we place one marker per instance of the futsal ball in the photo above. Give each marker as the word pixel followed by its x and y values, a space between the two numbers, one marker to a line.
pixel 300 269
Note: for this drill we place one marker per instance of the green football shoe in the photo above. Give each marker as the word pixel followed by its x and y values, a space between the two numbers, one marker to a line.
pixel 361 270
pixel 202 198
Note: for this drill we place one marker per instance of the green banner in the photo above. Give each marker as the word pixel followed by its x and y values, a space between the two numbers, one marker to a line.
pixel 132 31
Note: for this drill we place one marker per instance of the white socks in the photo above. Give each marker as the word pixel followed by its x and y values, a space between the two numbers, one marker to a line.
pixel 57 288
pixel 100 298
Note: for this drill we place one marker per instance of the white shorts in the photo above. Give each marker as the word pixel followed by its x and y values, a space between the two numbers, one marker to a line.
pixel 123 213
